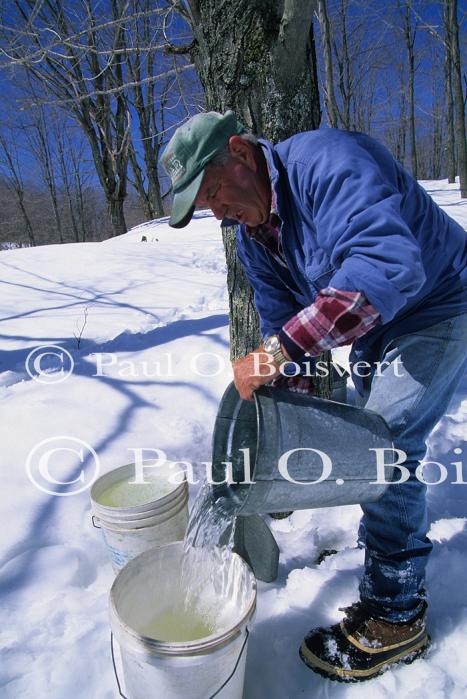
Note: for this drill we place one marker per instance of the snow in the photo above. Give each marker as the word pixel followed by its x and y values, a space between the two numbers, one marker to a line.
pixel 146 325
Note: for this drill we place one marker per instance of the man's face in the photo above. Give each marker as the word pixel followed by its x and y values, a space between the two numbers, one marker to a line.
pixel 236 190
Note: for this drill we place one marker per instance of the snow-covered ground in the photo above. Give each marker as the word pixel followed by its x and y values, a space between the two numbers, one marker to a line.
pixel 146 326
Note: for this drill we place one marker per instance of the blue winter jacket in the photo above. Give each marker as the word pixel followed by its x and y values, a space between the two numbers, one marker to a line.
pixel 354 219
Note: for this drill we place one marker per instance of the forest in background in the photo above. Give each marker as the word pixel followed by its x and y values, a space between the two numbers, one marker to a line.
pixel 92 91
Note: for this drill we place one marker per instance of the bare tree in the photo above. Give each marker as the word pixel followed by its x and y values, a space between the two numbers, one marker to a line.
pixel 70 173
pixel 71 68
pixel 450 147
pixel 79 178
pixel 354 57
pixel 144 37
pixel 402 140
pixel 452 40
pixel 9 163
pixel 396 113
pixel 102 62
pixel 410 32
pixel 455 101
pixel 329 96
pixel 437 109
pixel 39 136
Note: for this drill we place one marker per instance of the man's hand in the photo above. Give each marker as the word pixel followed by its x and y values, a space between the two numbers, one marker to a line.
pixel 253 371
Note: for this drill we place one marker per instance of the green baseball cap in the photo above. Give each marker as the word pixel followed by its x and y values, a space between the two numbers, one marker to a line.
pixel 188 152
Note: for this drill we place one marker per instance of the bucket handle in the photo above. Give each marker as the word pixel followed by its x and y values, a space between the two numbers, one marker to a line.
pixel 114 665
pixel 247 633
pixel 235 666
pixel 93 519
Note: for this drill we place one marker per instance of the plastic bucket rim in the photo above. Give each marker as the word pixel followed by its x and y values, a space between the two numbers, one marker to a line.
pixel 177 648
pixel 182 496
pixel 168 515
pixel 118 513
pixel 132 509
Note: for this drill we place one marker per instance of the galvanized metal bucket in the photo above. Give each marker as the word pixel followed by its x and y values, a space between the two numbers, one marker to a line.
pixel 290 451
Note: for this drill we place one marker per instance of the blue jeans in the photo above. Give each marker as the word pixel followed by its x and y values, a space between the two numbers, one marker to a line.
pixel 393 530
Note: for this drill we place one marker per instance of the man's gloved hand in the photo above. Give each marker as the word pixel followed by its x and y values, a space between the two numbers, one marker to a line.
pixel 253 371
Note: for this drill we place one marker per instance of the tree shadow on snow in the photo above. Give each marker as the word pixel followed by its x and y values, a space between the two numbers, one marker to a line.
pixel 276 639
pixel 40 526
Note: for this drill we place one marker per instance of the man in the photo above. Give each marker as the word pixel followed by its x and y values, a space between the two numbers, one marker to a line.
pixel 342 245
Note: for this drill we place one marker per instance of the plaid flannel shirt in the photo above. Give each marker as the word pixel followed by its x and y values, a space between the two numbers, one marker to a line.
pixel 335 318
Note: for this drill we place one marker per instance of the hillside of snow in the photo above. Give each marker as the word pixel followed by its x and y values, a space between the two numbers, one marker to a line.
pixel 144 326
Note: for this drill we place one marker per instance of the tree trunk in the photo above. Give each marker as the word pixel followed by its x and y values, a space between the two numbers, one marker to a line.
pixel 458 97
pixel 82 74
pixel 410 42
pixel 57 218
pixel 39 137
pixel 266 70
pixel 244 328
pixel 66 181
pixel 329 96
pixel 117 215
pixel 347 69
pixel 402 130
pixel 150 195
pixel 154 189
pixel 78 189
pixel 16 184
pixel 138 184
pixel 27 220
pixel 257 58
pixel 148 107
pixel 450 147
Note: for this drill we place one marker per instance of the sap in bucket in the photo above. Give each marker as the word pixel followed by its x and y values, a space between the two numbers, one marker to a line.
pixel 169 652
pixel 137 516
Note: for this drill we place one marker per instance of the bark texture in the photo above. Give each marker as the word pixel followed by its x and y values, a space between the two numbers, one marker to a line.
pixel 410 34
pixel 459 106
pixel 329 97
pixel 256 57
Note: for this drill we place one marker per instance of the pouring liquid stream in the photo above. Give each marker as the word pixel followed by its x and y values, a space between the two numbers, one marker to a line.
pixel 207 556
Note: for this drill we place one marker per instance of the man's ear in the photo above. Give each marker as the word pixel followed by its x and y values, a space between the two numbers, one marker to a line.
pixel 242 150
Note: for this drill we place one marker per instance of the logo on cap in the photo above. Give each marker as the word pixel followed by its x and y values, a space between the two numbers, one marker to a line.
pixel 174 167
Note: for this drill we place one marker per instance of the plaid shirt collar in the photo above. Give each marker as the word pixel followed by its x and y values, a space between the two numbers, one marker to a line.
pixel 269 234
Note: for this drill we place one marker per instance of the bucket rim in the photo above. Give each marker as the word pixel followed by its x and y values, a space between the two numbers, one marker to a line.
pixel 130 517
pixel 229 409
pixel 133 509
pixel 114 525
pixel 174 648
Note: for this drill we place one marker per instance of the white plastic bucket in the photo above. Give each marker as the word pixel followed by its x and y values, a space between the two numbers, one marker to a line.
pixel 209 667
pixel 130 530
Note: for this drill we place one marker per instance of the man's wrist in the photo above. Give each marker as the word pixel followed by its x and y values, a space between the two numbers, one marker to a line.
pixel 272 346
pixel 279 355
pixel 283 351
pixel 294 351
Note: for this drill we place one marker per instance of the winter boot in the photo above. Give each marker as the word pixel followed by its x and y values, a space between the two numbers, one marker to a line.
pixel 363 646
